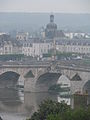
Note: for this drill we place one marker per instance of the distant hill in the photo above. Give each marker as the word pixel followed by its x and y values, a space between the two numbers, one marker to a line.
pixel 33 21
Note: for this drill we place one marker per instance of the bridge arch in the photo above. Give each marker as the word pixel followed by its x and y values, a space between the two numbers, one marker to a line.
pixel 46 80
pixel 21 71
pixel 9 78
pixel 44 83
pixel 86 87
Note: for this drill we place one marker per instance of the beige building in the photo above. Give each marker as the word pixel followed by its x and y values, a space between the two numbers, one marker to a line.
pixel 35 49
pixel 10 48
pixel 41 48
pixel 22 36
pixel 7 47
pixel 82 46
pixel 27 49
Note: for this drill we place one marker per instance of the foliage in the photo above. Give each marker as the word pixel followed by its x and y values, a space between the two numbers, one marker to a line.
pixel 47 55
pixel 54 117
pixel 51 110
pixel 11 57
pixel 61 55
pixel 49 107
pixel 64 54
pixel 77 114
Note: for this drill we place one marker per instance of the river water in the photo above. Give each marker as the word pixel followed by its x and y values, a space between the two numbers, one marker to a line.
pixel 17 105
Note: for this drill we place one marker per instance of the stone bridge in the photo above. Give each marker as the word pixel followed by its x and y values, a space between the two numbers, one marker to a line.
pixel 38 78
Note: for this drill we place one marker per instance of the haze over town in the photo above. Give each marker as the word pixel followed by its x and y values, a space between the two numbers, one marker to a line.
pixel 44 53
pixel 65 6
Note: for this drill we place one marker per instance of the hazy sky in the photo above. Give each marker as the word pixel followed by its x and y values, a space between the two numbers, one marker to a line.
pixel 66 6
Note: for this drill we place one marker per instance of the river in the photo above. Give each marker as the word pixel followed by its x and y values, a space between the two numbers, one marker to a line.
pixel 17 105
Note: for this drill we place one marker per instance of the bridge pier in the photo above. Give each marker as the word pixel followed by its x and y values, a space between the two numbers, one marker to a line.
pixel 41 83
pixel 21 80
pixel 76 86
pixel 29 85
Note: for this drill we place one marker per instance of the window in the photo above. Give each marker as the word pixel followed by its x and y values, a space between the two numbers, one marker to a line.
pixel 5 48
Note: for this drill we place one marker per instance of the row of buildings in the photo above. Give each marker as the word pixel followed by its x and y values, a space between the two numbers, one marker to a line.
pixel 9 45
pixel 38 48
pixel 53 39
pixel 81 46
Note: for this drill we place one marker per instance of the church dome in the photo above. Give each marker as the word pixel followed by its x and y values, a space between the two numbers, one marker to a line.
pixel 51 26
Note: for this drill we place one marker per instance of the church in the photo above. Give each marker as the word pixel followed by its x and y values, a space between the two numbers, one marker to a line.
pixel 51 30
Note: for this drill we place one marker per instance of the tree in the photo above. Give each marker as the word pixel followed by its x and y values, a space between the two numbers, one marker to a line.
pixel 80 114
pixel 49 107
pixel 54 117
pixel 76 114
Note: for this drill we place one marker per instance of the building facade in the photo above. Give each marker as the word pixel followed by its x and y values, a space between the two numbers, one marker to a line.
pixel 9 46
pixel 74 46
pixel 36 48
pixel 22 36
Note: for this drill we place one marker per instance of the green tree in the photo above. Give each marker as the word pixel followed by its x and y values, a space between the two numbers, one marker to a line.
pixel 49 107
pixel 54 117
pixel 81 114
pixel 51 110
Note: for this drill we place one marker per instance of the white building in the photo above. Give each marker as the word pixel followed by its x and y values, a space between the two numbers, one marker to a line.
pixel 9 46
pixel 35 49
pixel 74 46
pixel 27 49
pixel 2 33
pixel 72 35
pixel 41 48
pixel 22 36
pixel 69 35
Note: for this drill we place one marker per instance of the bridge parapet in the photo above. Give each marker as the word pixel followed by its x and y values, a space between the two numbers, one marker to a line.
pixel 73 68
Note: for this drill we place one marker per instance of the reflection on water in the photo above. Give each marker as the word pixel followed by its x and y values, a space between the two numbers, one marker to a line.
pixel 17 105
pixel 9 97
pixel 14 116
